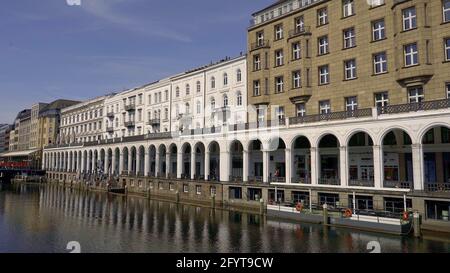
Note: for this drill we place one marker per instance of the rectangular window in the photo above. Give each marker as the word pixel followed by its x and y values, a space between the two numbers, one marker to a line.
pixel 447 49
pixel 185 188
pixel 322 17
pixel 375 3
pixel 299 24
pixel 279 58
pixel 323 45
pixel 349 38
pixel 379 63
pixel 256 88
pixel 351 104
pixel 348 8
pixel 296 79
pixel 261 113
pixel 446 10
pixel 198 190
pixel 411 54
pixel 381 99
pixel 278 32
pixel 300 109
pixel 350 69
pixel 260 38
pixel 280 113
pixel 324 107
pixel 409 18
pixel 279 83
pixel 256 62
pixel 447 89
pixel 415 94
pixel 296 51
pixel 378 30
pixel 324 75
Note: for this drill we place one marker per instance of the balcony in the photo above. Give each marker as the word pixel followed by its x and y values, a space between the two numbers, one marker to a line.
pixel 163 135
pixel 299 31
pixel 361 183
pixel 154 122
pixel 330 181
pixel 129 123
pixel 414 107
pixel 332 116
pixel 110 129
pixel 398 184
pixel 437 187
pixel 301 180
pixel 130 107
pixel 260 44
pixel 110 114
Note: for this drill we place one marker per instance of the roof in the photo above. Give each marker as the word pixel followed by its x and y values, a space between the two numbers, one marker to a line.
pixel 58 105
pixel 26 113
pixel 19 153
pixel 268 7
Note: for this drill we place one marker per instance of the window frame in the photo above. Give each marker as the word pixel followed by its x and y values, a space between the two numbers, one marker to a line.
pixel 383 63
pixel 322 16
pixel 279 85
pixel 349 41
pixel 324 105
pixel 296 79
pixel 381 30
pixel 412 54
pixel 410 19
pixel 324 46
pixel 352 70
pixel 345 8
pixel 279 58
pixel 325 75
pixel 419 96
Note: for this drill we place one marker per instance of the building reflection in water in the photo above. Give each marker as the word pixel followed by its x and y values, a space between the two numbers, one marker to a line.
pixel 45 218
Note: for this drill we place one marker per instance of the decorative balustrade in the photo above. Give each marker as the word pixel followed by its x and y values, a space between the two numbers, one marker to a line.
pixel 130 107
pixel 414 107
pixel 332 116
pixel 437 187
pixel 398 184
pixel 301 180
pixel 260 44
pixel 299 31
pixel 330 181
pixel 361 183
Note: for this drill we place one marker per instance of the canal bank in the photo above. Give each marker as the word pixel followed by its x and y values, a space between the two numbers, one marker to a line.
pixel 44 218
pixel 259 198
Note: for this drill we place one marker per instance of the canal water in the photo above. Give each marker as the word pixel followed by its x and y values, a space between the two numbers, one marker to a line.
pixel 46 218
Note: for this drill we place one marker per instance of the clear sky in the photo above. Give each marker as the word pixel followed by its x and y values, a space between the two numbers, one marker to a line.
pixel 51 50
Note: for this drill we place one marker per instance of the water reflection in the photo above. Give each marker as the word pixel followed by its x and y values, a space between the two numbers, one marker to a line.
pixel 45 218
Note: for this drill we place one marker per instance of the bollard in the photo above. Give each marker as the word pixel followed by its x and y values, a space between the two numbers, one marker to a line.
pixel 325 214
pixel 177 197
pixel 416 223
pixel 149 193
pixel 213 200
pixel 261 207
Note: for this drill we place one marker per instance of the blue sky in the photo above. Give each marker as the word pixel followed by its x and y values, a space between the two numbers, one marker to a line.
pixel 50 50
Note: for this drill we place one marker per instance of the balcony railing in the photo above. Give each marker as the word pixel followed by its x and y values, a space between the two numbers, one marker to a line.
pixel 154 122
pixel 235 178
pixel 260 44
pixel 255 179
pixel 329 181
pixel 109 129
pixel 361 183
pixel 437 187
pixel 414 107
pixel 130 107
pixel 332 116
pixel 277 179
pixel 299 31
pixel 398 184
pixel 162 135
pixel 129 123
pixel 301 180
pixel 110 114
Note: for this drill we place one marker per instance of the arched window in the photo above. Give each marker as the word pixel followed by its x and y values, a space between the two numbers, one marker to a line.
pixel 199 87
pixel 213 104
pixel 166 114
pixel 239 98
pixel 188 89
pixel 225 100
pixel 199 107
pixel 177 110
pixel 239 75
pixel 213 82
pixel 177 92
pixel 187 108
pixel 225 79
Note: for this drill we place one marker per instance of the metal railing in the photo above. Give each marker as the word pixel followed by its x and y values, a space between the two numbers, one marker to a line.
pixel 162 135
pixel 437 187
pixel 301 180
pixel 361 183
pixel 255 179
pixel 109 129
pixel 299 31
pixel 277 179
pixel 329 181
pixel 155 121
pixel 235 178
pixel 129 123
pixel 260 44
pixel 332 116
pixel 414 107
pixel 130 107
pixel 398 184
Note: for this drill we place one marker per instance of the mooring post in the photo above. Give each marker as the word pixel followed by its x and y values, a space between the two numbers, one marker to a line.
pixel 149 193
pixel 177 197
pixel 261 206
pixel 325 214
pixel 213 200
pixel 416 223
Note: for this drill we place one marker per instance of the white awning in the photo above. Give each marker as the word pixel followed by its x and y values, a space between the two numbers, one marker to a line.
pixel 19 153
